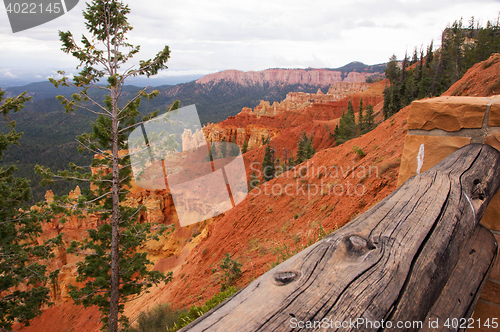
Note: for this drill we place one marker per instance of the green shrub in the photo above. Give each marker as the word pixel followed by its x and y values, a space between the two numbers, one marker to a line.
pixel 195 311
pixel 159 319
pixel 358 151
pixel 231 270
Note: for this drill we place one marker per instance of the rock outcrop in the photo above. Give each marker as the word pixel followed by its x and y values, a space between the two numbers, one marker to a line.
pixel 323 77
pixel 269 120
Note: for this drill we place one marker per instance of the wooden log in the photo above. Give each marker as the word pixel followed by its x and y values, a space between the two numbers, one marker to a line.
pixel 459 297
pixel 416 256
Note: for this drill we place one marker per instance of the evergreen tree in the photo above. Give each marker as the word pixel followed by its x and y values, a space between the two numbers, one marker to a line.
pixel 305 148
pixel 392 98
pixel 487 42
pixel 350 120
pixel 461 48
pixel 393 72
pixel 23 278
pixel 214 154
pixel 387 101
pixel 346 127
pixel 414 60
pixel 211 151
pixel 268 168
pixel 429 56
pixel 244 148
pixel 301 151
pixel 369 120
pixel 113 270
pixel 309 148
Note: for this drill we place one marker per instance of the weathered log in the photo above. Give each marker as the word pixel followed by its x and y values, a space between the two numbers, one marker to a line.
pixel 417 256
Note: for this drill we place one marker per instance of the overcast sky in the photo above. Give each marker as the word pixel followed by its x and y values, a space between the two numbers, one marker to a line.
pixel 210 36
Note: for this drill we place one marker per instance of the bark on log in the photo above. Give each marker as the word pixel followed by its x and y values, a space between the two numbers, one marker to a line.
pixel 418 255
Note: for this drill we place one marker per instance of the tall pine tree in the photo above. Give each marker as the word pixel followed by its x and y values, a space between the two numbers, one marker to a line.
pixel 113 270
pixel 268 168
pixel 23 279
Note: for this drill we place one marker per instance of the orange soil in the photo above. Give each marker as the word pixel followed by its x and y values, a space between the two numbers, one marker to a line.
pixel 482 80
pixel 266 219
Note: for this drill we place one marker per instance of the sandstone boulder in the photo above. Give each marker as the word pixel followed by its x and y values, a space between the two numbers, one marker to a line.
pixel 494 119
pixel 447 113
pixel 434 150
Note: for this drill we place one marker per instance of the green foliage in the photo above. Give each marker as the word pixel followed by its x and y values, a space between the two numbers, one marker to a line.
pixel 244 148
pixel 113 270
pixel 305 148
pixel 461 48
pixel 162 318
pixel 231 271
pixel 358 151
pixel 23 278
pixel 223 148
pixel 196 312
pixel 284 252
pixel 368 120
pixel 290 163
pixel 361 121
pixel 347 128
pixel 159 319
pixel 268 168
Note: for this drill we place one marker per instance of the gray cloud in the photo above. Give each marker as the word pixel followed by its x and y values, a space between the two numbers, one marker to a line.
pixel 221 34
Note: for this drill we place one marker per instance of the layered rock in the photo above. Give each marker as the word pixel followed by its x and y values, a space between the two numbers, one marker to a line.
pixel 297 101
pixel 323 77
pixel 268 120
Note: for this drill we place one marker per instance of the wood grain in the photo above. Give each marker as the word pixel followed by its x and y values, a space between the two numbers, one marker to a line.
pixel 408 259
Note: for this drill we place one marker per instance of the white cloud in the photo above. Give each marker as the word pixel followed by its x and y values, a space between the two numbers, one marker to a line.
pixel 58 76
pixel 206 36
pixel 7 73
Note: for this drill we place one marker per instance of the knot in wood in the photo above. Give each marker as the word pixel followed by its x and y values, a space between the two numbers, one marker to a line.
pixel 286 277
pixel 357 242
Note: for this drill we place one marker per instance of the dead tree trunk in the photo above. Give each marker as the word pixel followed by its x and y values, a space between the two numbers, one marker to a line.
pixel 416 257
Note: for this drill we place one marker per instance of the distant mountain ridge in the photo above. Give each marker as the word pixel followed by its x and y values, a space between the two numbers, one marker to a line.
pixel 352 72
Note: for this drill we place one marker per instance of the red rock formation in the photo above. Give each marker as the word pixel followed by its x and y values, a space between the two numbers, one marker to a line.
pixel 322 77
pixel 297 109
pixel 181 251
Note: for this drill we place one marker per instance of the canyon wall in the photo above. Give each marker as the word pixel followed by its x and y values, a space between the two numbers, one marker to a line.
pixel 321 77
pixel 269 120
